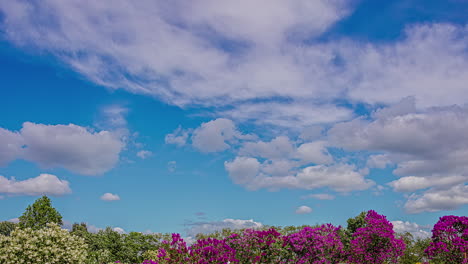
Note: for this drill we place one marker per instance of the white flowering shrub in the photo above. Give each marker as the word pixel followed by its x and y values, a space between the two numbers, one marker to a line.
pixel 51 245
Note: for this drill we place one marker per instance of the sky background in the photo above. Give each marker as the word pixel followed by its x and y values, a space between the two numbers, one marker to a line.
pixel 188 117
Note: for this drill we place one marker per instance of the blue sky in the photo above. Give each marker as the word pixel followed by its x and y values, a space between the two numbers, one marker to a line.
pixel 190 117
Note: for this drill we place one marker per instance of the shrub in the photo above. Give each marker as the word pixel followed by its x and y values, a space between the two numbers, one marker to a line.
pixel 51 245
pixel 375 242
pixel 450 240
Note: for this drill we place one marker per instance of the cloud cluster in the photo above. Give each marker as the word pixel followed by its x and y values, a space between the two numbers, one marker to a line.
pixel 231 54
pixel 44 184
pixel 417 231
pixel 231 60
pixel 75 148
pixel 208 227
pixel 428 147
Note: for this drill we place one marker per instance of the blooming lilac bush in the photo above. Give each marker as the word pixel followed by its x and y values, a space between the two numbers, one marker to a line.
pixel 375 242
pixel 212 250
pixel 257 246
pixel 450 240
pixel 315 245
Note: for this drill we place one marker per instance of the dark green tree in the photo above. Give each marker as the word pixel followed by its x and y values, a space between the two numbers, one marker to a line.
pixel 6 228
pixel 356 222
pixel 39 214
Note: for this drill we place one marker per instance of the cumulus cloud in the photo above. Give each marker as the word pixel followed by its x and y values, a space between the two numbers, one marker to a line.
pixel 247 171
pixel 110 197
pixel 208 227
pixel 214 136
pixel 144 154
pixel 428 148
pixel 303 210
pixel 72 147
pixel 435 200
pixel 44 184
pixel 10 146
pixel 417 231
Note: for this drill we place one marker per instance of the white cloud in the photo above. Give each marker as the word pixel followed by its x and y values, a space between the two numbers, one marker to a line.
pixel 213 136
pixel 428 147
pixel 413 183
pixel 72 147
pixel 242 170
pixel 110 197
pixel 279 147
pixel 378 161
pixel 178 137
pixel 414 229
pixel 10 146
pixel 144 154
pixel 152 53
pixel 310 133
pixel 303 210
pixel 119 230
pixel 213 226
pixel 314 152
pixel 320 196
pixel 44 184
pixel 289 115
pixel 435 200
pixel 113 118
pixel 247 171
pixel 430 57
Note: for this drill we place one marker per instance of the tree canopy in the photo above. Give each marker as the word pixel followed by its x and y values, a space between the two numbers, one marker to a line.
pixel 39 214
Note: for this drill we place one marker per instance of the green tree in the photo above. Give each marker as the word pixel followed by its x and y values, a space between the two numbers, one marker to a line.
pixel 356 222
pixel 6 228
pixel 414 252
pixel 39 214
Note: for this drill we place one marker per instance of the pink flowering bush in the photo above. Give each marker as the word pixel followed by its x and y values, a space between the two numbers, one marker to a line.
pixel 375 242
pixel 450 240
pixel 257 246
pixel 315 245
pixel 211 250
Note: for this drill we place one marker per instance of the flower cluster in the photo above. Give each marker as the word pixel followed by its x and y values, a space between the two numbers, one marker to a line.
pixel 450 240
pixel 375 242
pixel 51 245
pixel 315 245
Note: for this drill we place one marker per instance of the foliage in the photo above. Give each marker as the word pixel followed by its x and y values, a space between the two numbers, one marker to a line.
pixel 449 240
pixel 257 246
pixel 414 252
pixel 7 227
pixel 39 214
pixel 357 222
pixel 368 238
pixel 50 244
